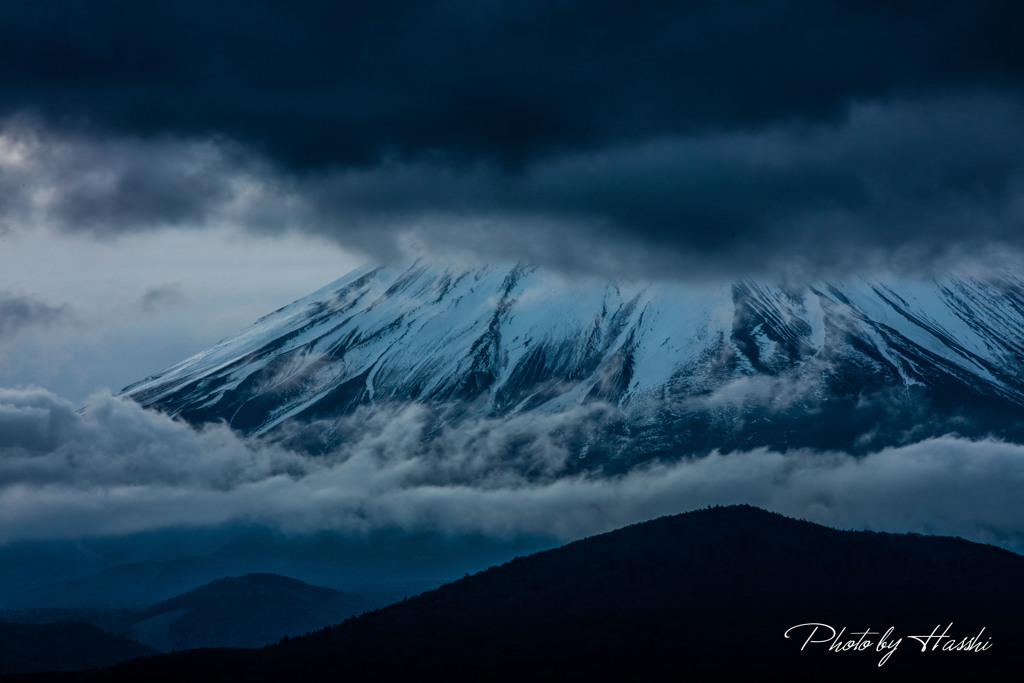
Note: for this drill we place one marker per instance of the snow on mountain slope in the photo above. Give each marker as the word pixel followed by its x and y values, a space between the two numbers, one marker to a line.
pixel 676 357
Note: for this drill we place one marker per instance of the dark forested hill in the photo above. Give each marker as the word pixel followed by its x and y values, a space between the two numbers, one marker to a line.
pixel 702 594
pixel 62 645
pixel 244 611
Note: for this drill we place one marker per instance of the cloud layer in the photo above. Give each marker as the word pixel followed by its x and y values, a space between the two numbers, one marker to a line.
pixel 920 184
pixel 316 83
pixel 678 139
pixel 118 469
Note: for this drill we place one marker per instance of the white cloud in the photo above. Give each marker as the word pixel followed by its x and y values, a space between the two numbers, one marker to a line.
pixel 117 468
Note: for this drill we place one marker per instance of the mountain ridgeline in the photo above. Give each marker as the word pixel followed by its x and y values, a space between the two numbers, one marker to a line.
pixel 706 595
pixel 682 368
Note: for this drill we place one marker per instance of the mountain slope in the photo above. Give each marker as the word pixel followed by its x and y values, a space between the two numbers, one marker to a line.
pixel 701 594
pixel 682 364
pixel 62 645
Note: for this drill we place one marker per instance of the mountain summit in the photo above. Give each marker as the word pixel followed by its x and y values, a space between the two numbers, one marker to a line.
pixel 680 367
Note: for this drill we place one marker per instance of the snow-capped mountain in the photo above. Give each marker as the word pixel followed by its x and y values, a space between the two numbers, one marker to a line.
pixel 688 366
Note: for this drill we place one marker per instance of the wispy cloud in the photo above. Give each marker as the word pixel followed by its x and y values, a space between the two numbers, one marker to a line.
pixel 161 296
pixel 18 312
pixel 117 468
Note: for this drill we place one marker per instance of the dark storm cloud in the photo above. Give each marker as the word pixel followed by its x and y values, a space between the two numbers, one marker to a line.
pixel 110 185
pixel 18 312
pixel 914 181
pixel 324 83
pixel 700 135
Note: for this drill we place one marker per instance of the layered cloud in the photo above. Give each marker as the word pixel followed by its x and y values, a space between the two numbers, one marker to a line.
pixel 675 139
pixel 915 183
pixel 118 469
pixel 315 83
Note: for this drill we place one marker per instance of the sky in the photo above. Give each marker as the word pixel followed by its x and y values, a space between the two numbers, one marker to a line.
pixel 164 157
pixel 170 171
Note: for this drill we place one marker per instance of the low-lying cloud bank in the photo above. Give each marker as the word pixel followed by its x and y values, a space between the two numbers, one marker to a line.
pixel 117 469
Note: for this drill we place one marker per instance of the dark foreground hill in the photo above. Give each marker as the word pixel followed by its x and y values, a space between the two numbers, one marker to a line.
pixel 62 645
pixel 703 594
pixel 244 611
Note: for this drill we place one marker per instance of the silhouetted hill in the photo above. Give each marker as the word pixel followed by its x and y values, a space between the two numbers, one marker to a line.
pixel 77 576
pixel 245 611
pixel 62 645
pixel 703 594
